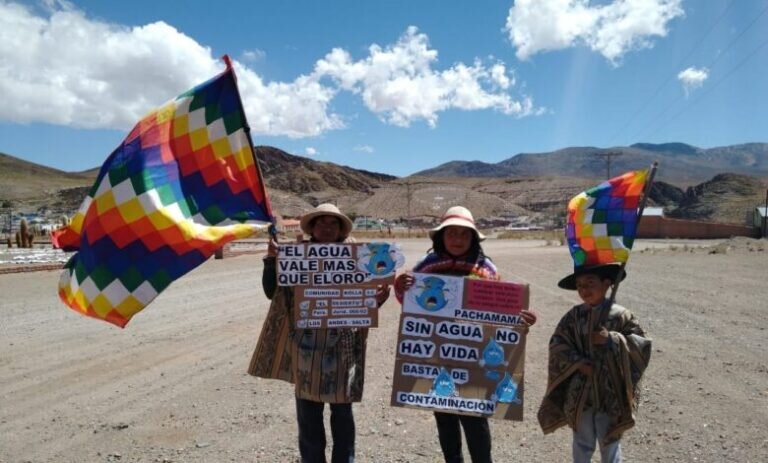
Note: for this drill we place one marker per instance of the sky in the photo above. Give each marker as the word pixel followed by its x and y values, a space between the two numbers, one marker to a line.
pixel 393 86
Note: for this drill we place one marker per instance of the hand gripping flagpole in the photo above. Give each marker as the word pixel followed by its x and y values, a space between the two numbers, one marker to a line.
pixel 272 230
pixel 604 313
pixel 640 208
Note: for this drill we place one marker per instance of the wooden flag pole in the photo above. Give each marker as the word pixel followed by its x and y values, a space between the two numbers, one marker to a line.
pixel 640 208
pixel 272 230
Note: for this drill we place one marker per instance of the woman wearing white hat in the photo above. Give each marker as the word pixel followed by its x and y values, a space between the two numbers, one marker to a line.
pixel 326 365
pixel 456 251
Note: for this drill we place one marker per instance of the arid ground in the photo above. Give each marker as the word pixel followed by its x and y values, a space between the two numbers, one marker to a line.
pixel 172 386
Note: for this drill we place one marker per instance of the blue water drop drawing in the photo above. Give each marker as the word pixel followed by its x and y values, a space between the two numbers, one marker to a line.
pixel 506 391
pixel 443 384
pixel 493 355
pixel 380 261
pixel 432 298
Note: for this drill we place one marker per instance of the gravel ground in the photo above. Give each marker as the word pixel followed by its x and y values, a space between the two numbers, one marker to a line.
pixel 172 386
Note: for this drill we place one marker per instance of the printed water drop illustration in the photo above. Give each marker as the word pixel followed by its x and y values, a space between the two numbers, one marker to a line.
pixel 493 355
pixel 506 390
pixel 443 384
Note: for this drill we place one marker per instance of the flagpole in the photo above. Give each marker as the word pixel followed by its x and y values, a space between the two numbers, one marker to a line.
pixel 247 128
pixel 640 208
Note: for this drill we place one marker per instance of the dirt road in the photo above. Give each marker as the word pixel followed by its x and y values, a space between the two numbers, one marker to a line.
pixel 172 386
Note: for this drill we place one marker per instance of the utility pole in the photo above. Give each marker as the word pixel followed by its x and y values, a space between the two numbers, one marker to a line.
pixel 8 204
pixel 765 216
pixel 608 155
pixel 408 199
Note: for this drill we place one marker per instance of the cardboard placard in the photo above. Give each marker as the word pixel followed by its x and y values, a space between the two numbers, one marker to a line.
pixel 461 347
pixel 481 301
pixel 335 284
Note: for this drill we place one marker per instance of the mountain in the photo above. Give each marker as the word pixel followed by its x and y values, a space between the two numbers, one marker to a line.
pixel 726 197
pixel 22 179
pixel 680 164
pixel 296 184
pixel 302 175
pixel 32 187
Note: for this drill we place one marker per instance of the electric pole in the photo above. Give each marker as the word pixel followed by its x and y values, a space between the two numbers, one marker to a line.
pixel 608 155
pixel 765 216
pixel 408 199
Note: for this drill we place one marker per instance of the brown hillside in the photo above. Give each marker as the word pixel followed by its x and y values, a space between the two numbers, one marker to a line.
pixel 296 184
pixel 726 198
pixel 24 180
pixel 429 198
pixel 301 175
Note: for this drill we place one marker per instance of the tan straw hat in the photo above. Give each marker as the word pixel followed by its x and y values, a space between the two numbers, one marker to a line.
pixel 326 209
pixel 460 217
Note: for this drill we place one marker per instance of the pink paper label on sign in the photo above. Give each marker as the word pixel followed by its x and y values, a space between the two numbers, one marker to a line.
pixel 495 296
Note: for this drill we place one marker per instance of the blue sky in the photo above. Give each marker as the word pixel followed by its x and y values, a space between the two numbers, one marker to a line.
pixel 390 86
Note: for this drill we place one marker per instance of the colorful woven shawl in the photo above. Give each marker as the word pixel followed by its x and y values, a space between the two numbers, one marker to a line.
pixel 480 267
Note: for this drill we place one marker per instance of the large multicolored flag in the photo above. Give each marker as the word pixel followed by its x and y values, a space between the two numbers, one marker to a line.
pixel 182 184
pixel 602 221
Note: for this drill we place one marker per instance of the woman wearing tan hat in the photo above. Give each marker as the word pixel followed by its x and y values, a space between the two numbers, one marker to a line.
pixel 326 365
pixel 456 251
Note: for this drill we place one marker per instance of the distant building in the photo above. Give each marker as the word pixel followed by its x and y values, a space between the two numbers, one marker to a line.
pixel 493 222
pixel 759 219
pixel 367 223
pixel 524 228
pixel 653 212
pixel 289 225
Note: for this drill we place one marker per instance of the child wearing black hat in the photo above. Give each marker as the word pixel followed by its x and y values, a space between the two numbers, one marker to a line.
pixel 597 355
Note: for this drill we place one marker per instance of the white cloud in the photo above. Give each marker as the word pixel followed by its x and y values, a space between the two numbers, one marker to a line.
pixel 612 29
pixel 363 149
pixel 67 69
pixel 296 109
pixel 309 151
pixel 61 67
pixel 692 78
pixel 254 55
pixel 398 83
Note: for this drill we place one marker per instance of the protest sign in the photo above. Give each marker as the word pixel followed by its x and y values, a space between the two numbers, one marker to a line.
pixel 461 347
pixel 335 284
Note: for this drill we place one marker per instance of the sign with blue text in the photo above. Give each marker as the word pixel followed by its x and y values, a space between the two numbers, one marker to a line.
pixel 335 284
pixel 461 347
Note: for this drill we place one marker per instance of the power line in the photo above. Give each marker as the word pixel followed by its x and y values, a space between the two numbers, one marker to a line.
pixel 711 64
pixel 714 86
pixel 658 90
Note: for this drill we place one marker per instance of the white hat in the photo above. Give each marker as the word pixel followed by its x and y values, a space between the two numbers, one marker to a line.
pixel 326 209
pixel 460 217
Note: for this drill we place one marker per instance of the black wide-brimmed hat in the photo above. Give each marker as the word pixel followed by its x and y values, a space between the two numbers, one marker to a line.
pixel 604 271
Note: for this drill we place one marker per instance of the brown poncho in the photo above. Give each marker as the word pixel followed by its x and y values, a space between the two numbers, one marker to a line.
pixel 618 368
pixel 326 365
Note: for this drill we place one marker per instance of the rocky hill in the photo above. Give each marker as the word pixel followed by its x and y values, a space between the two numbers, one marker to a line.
pixel 728 197
pixel 682 164
pixel 305 176
pixel 296 184
pixel 22 180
